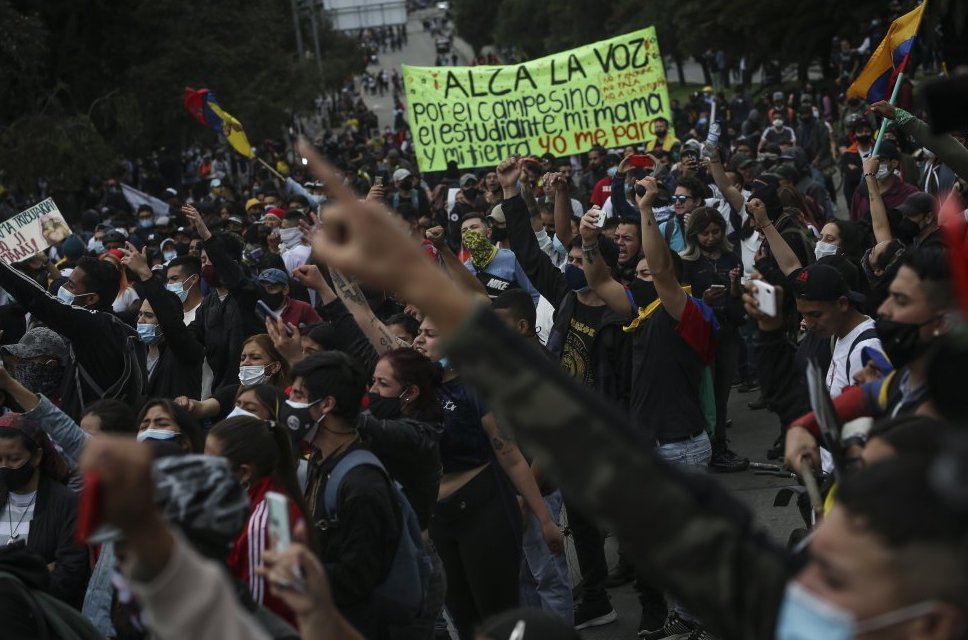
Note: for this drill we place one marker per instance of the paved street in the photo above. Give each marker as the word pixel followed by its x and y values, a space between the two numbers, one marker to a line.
pixel 752 434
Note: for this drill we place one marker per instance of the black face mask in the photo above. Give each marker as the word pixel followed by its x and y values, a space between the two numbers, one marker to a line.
pixel 16 479
pixel 383 408
pixel 864 139
pixel 644 293
pixel 40 378
pixel 472 193
pixel 274 300
pixel 406 185
pixel 901 340
pixel 499 234
pixel 908 230
pixel 182 248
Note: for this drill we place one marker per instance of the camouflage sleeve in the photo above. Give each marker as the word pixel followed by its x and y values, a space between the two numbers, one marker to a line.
pixel 734 578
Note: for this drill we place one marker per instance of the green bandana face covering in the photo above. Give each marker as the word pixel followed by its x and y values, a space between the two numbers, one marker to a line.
pixel 480 248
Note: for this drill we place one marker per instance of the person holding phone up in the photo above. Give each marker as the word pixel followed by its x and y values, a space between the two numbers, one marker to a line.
pixel 713 269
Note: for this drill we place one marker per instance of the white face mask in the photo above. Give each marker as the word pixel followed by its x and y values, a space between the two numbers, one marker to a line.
pixel 157 434
pixel 239 411
pixel 882 173
pixel 778 124
pixel 290 237
pixel 825 249
pixel 250 376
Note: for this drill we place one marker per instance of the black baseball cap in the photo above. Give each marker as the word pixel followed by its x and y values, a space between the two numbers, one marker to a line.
pixel 821 282
pixel 918 204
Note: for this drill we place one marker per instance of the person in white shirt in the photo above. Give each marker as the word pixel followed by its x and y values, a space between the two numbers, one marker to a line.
pixel 829 310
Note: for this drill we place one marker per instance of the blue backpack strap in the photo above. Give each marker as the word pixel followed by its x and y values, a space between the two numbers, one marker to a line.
pixel 353 459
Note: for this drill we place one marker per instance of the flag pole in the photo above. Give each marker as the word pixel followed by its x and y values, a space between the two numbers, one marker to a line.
pixel 269 167
pixel 885 121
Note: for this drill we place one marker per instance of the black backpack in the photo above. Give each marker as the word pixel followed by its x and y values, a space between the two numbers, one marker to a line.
pixel 46 617
pixel 130 387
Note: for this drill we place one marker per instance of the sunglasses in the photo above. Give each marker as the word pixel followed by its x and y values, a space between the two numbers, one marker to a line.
pixel 680 198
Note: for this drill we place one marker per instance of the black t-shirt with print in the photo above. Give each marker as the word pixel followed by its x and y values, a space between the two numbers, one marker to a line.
pixel 576 355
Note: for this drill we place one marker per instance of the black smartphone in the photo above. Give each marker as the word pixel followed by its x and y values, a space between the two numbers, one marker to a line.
pixel 265 312
pixel 946 102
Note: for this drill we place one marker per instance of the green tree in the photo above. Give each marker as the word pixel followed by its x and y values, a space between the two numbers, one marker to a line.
pixel 474 21
pixel 109 75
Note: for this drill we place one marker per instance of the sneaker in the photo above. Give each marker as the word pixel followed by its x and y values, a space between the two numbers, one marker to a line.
pixel 726 461
pixel 777 451
pixel 674 626
pixel 621 575
pixel 747 386
pixel 699 634
pixel 758 404
pixel 594 614
pixel 653 618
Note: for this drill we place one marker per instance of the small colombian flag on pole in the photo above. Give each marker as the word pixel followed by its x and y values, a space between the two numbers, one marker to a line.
pixel 889 59
pixel 202 106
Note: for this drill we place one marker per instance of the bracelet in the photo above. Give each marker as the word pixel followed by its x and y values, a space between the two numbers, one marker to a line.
pixel 589 247
pixel 870 175
pixel 902 117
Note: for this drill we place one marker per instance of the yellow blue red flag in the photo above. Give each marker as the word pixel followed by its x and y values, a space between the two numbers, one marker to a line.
pixel 202 106
pixel 877 78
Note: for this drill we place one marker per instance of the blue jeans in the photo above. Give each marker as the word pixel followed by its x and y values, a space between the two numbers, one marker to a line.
pixel 692 452
pixel 545 583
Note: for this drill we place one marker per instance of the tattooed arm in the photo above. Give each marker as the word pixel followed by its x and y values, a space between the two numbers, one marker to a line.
pixel 518 471
pixel 374 329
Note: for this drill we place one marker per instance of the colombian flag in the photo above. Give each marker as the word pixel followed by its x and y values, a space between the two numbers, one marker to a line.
pixel 890 57
pixel 202 106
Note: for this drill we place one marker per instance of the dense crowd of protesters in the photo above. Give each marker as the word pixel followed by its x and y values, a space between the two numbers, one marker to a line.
pixel 261 332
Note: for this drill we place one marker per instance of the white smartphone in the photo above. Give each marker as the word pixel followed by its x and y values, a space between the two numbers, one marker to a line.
pixel 280 532
pixel 765 295
pixel 600 223
pixel 717 287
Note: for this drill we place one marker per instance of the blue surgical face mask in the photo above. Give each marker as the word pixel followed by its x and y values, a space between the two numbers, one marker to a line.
pixel 575 278
pixel 807 616
pixel 612 171
pixel 169 256
pixel 68 297
pixel 148 333
pixel 146 223
pixel 97 247
pixel 178 288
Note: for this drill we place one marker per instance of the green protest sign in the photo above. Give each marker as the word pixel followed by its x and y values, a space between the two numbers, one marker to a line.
pixel 608 93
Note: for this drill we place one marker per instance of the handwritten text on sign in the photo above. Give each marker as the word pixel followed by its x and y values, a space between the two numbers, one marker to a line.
pixel 609 93
pixel 32 230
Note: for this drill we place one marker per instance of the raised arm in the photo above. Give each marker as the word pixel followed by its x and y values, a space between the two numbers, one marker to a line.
pixel 563 212
pixel 949 151
pixel 355 302
pixel 882 228
pixel 542 273
pixel 464 278
pixel 69 321
pixel 786 259
pixel 657 252
pixel 729 191
pixel 596 271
